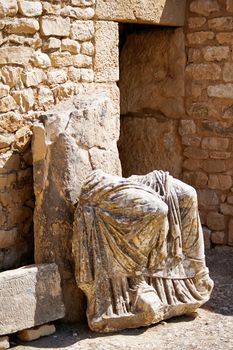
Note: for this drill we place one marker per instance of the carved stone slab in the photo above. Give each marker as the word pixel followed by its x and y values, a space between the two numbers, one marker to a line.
pixel 29 296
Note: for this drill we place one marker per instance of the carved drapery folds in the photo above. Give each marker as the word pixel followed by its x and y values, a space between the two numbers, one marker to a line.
pixel 139 252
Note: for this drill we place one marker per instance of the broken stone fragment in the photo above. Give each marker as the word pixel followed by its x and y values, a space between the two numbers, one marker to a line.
pixel 29 296
pixel 36 332
pixel 4 343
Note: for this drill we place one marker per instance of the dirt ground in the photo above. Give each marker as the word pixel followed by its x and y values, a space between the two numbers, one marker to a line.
pixel 210 329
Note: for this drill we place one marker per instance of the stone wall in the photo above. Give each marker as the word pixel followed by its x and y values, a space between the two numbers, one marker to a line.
pixel 207 131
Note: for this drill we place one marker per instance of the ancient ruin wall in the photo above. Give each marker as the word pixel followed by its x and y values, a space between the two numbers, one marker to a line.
pixel 207 133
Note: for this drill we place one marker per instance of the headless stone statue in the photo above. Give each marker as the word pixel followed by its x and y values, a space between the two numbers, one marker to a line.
pixel 139 251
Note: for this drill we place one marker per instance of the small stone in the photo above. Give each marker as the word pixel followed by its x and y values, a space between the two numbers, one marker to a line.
pixel 224 38
pixel 87 75
pixel 6 140
pixel 55 26
pixel 56 76
pixel 30 8
pixel 40 59
pixel 61 59
pixel 187 127
pixel 10 121
pixel 74 74
pixel 220 90
pixel 196 22
pixel 216 53
pixel 52 44
pixel 51 8
pixel 87 48
pixel 45 98
pixel 77 12
pixel 202 71
pixel 82 30
pixel 22 139
pixel 191 140
pixel 8 8
pixel 215 143
pixel 36 332
pixel 220 155
pixel 216 221
pixel 195 153
pixel 65 90
pixel 70 45
pixel 194 55
pixel 25 99
pixel 204 7
pixel 221 23
pixel 82 2
pixel 4 90
pixel 199 38
pixel 33 77
pixel 226 209
pixel 214 165
pixel 82 61
pixel 4 343
pixel 228 72
pixel 15 55
pixel 22 26
pixel 7 104
pixel 11 75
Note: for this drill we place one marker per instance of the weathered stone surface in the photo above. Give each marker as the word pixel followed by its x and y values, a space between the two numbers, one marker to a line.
pixel 218 237
pixel 52 44
pixel 196 153
pixel 226 209
pixel 87 48
pixel 15 55
pixel 82 2
pixel 216 53
pixel 113 250
pixel 221 23
pixel 230 232
pixel 36 332
pixel 7 104
pixel 4 90
pixel 210 71
pixel 61 59
pixel 87 75
pixel 82 30
pixel 229 5
pixel 56 76
pixel 158 72
pixel 187 127
pixel 216 221
pixel 22 26
pixel 228 72
pixel 163 12
pixel 196 22
pixel 8 8
pixel 33 77
pixel 220 182
pixel 77 12
pixel 56 26
pixel 45 97
pixel 199 38
pixel 40 59
pixel 70 45
pixel 24 98
pixel 30 8
pixel 204 7
pixel 8 238
pixel 89 121
pixel 224 38
pixel 30 296
pixel 82 61
pixel 149 142
pixel 215 143
pixel 220 90
pixel 106 64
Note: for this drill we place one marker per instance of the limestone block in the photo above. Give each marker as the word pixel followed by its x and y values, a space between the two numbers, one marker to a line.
pixel 220 90
pixel 87 75
pixel 7 104
pixel 221 23
pixel 24 98
pixel 56 76
pixel 40 59
pixel 187 127
pixel 74 74
pixel 216 221
pixel 30 8
pixel 226 209
pixel 15 55
pixel 163 12
pixel 30 296
pixel 22 26
pixel 45 97
pixel 36 332
pixel 61 162
pixel 218 237
pixel 52 44
pixel 11 75
pixel 10 121
pixel 82 61
pixel 220 182
pixel 228 72
pixel 229 6
pixel 82 30
pixel 191 140
pixel 210 71
pixel 214 165
pixel 199 38
pixel 4 90
pixel 5 140
pixel 204 7
pixel 207 198
pixel 33 77
pixel 61 59
pixel 64 91
pixel 70 45
pixel 78 13
pixel 87 48
pixel 216 53
pixel 195 153
pixel 215 143
pixel 220 155
pixel 8 8
pixel 55 26
pixel 196 22
pixel 4 343
pixel 106 64
pixel 224 38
